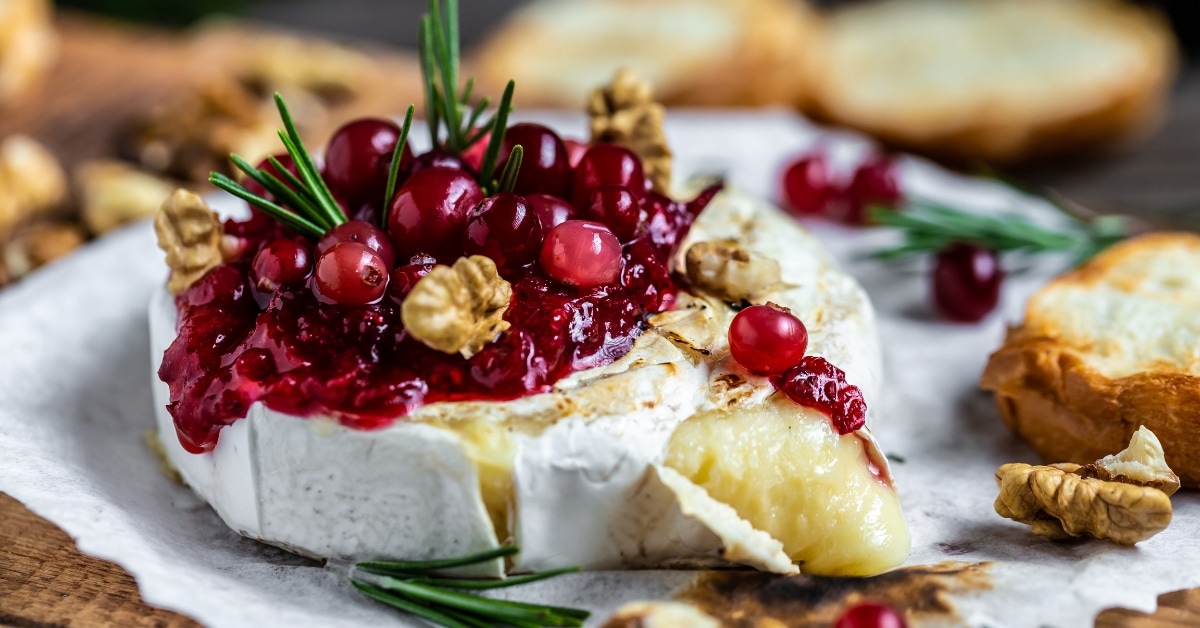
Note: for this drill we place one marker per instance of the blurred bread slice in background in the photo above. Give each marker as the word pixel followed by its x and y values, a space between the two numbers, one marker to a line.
pixel 27 45
pixel 1106 348
pixel 694 52
pixel 999 81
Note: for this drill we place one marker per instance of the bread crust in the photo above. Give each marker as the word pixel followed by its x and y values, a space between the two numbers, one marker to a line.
pixel 1068 411
pixel 1112 116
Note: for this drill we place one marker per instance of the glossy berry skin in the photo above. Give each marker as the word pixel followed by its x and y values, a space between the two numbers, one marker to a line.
pixel 807 186
pixel 575 151
pixel 870 615
pixel 545 164
pixel 430 213
pixel 362 232
pixel 504 228
pixel 359 157
pixel 607 164
pixel 350 273
pixel 436 159
pixel 282 263
pixel 403 278
pixel 767 339
pixel 966 282
pixel 617 207
pixel 874 183
pixel 815 383
pixel 551 210
pixel 581 253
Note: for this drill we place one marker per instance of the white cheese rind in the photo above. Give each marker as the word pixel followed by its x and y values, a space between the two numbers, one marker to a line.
pixel 587 483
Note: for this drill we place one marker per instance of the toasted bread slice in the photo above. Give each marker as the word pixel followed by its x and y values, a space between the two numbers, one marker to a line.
pixel 1002 81
pixel 695 52
pixel 1106 348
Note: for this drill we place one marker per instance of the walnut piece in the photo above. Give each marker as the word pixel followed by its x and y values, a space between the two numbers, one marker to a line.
pixel 40 244
pixel 1064 501
pixel 730 272
pixel 113 193
pixel 625 112
pixel 190 233
pixel 460 308
pixel 31 182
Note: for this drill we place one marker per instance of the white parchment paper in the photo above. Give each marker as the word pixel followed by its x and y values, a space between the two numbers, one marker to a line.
pixel 75 406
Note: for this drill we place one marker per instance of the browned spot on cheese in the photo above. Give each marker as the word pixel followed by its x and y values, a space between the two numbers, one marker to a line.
pixel 752 599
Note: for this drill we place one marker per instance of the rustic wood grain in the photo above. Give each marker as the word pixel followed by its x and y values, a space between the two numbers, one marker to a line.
pixel 108 73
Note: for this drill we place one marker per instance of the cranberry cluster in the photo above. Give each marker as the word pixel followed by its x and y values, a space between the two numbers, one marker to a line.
pixel 769 340
pixel 966 281
pixel 315 327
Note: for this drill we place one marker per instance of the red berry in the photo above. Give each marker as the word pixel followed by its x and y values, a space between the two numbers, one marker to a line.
pixel 607 164
pixel 436 159
pixel 581 253
pixel 815 383
pixel 363 233
pixel 615 206
pixel 874 183
pixel 282 263
pixel 350 273
pixel 870 615
pixel 545 165
pixel 473 155
pixel 403 278
pixel 767 339
pixel 285 160
pixel 806 185
pixel 966 282
pixel 551 210
pixel 430 212
pixel 504 228
pixel 359 158
pixel 575 151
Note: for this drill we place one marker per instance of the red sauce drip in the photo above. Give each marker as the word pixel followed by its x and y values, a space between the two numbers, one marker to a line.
pixel 303 357
pixel 815 383
pixel 876 465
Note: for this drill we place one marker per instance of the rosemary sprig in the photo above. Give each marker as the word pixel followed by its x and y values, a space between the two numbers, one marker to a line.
pixel 929 227
pixel 394 169
pixel 305 203
pixel 508 178
pixel 414 587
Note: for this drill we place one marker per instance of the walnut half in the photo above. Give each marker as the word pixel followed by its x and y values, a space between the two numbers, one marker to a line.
pixel 1114 498
pixel 460 308
pixel 190 233
pixel 729 272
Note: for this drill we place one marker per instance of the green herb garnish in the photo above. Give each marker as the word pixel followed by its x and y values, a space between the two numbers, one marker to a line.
pixel 414 587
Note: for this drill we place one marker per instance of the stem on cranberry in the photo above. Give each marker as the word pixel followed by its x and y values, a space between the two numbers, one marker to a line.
pixel 966 282
pixel 350 273
pixel 430 212
pixel 363 233
pixel 581 253
pixel 767 339
pixel 504 228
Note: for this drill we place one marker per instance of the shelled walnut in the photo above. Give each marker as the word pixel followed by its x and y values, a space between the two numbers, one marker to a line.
pixel 113 193
pixel 460 308
pixel 32 182
pixel 1124 498
pixel 624 112
pixel 729 272
pixel 190 234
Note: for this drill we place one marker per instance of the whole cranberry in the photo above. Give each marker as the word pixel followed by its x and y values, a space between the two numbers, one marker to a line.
pixel 767 339
pixel 874 183
pixel 504 228
pixel 362 232
pixel 870 615
pixel 436 159
pixel 966 282
pixel 350 273
pixel 607 164
pixel 551 210
pixel 403 278
pixel 430 212
pixel 282 263
pixel 617 207
pixel 545 164
pixel 581 253
pixel 359 159
pixel 806 185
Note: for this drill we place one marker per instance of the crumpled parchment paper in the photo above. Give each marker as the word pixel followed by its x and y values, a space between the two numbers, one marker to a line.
pixel 75 405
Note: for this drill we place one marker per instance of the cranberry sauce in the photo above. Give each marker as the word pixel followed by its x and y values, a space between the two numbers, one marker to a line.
pixel 301 356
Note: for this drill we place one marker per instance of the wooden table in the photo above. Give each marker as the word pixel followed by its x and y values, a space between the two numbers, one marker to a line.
pixel 45 581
